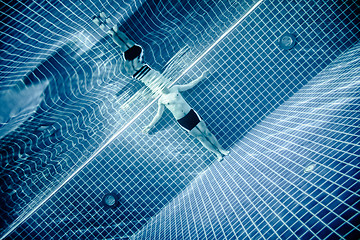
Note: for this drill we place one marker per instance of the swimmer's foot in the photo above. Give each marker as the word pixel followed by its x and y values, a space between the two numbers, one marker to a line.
pixel 99 23
pixel 110 32
pixel 102 21
pixel 108 21
pixel 96 20
pixel 219 157
pixel 225 152
pixel 102 15
pixel 105 19
pixel 115 28
pixel 103 27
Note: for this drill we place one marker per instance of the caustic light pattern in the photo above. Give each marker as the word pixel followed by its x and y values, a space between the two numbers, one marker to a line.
pixel 71 121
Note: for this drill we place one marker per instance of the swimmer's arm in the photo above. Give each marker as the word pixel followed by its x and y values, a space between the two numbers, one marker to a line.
pixel 156 118
pixel 192 84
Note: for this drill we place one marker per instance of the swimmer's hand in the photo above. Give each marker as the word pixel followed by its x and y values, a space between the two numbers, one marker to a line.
pixel 195 82
pixel 203 75
pixel 146 129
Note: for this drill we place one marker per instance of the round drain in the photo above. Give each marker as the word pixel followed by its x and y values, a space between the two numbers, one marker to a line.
pixel 287 41
pixel 310 168
pixel 110 200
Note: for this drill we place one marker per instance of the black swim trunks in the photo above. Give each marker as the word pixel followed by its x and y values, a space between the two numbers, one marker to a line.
pixel 132 53
pixel 142 72
pixel 190 120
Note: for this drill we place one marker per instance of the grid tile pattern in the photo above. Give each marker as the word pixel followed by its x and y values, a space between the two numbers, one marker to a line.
pixel 249 77
pixel 264 190
pixel 80 109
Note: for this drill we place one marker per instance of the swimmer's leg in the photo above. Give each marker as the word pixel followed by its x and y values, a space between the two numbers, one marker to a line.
pixel 195 132
pixel 99 22
pixel 105 19
pixel 203 128
pixel 102 21
pixel 118 37
pixel 121 39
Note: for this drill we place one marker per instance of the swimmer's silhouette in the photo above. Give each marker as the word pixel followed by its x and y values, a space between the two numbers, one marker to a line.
pixel 187 118
pixel 132 52
pixel 170 97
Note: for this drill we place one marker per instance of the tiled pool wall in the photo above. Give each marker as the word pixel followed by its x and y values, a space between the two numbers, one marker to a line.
pixel 249 77
pixel 57 42
pixel 293 176
pixel 265 189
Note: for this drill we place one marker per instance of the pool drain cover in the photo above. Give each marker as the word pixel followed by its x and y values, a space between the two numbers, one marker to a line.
pixel 110 200
pixel 309 168
pixel 287 41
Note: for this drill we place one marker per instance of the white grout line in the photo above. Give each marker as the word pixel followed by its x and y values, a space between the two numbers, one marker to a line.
pixel 127 125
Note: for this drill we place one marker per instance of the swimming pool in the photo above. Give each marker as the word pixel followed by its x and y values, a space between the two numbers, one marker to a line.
pixel 167 177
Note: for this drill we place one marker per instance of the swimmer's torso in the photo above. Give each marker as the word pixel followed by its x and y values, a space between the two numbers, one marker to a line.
pixel 175 103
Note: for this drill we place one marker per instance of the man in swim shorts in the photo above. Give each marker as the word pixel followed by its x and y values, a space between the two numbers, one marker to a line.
pixel 188 119
pixel 132 53
pixel 170 97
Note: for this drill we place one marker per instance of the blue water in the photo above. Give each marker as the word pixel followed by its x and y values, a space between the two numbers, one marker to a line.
pixel 249 77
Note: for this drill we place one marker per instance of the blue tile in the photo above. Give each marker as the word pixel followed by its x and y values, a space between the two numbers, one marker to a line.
pixel 262 73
